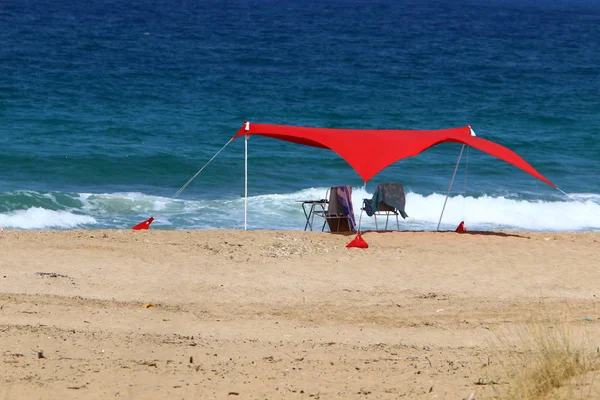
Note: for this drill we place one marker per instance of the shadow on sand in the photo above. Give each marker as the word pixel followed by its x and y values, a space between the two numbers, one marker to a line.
pixel 477 233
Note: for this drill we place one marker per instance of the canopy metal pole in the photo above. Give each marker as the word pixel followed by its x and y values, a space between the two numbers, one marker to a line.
pixel 246 183
pixel 450 187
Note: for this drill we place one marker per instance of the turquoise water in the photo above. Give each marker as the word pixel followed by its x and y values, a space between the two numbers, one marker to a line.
pixel 108 108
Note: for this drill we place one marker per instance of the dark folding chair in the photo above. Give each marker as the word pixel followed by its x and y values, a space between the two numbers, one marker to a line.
pixel 388 200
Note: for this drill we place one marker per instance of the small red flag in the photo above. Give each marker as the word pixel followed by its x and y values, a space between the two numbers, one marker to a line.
pixel 143 225
pixel 358 242
pixel 461 227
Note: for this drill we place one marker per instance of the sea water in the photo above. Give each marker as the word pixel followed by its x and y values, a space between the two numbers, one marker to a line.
pixel 107 108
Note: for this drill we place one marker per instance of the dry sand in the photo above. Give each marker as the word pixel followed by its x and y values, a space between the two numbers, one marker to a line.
pixel 278 315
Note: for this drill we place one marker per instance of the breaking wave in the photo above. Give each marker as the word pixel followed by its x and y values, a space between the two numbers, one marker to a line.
pixel 39 218
pixel 47 210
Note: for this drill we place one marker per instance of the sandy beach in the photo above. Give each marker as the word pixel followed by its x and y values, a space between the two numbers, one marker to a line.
pixel 278 314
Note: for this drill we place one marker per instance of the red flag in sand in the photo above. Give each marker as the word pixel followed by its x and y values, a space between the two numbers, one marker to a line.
pixel 358 242
pixel 461 227
pixel 143 225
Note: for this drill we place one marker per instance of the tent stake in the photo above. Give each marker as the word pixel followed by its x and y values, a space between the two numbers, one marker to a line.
pixel 450 187
pixel 246 183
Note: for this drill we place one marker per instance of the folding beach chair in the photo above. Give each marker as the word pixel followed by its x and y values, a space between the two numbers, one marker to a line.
pixel 339 216
pixel 388 200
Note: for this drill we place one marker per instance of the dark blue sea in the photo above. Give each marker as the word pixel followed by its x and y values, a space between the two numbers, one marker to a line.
pixel 108 107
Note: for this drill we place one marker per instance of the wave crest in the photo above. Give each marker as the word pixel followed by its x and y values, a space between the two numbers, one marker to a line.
pixel 40 218
pixel 284 211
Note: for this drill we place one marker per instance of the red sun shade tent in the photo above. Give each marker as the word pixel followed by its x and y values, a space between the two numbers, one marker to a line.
pixel 368 151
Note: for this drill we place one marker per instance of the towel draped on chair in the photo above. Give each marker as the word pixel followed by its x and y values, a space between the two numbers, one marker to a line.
pixel 391 194
pixel 344 194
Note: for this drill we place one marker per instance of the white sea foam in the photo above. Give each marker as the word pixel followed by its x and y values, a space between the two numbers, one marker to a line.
pixel 125 202
pixel 489 212
pixel 284 211
pixel 40 218
pixel 485 212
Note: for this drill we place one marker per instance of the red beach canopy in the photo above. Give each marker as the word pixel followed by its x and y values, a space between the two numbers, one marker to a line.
pixel 368 151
